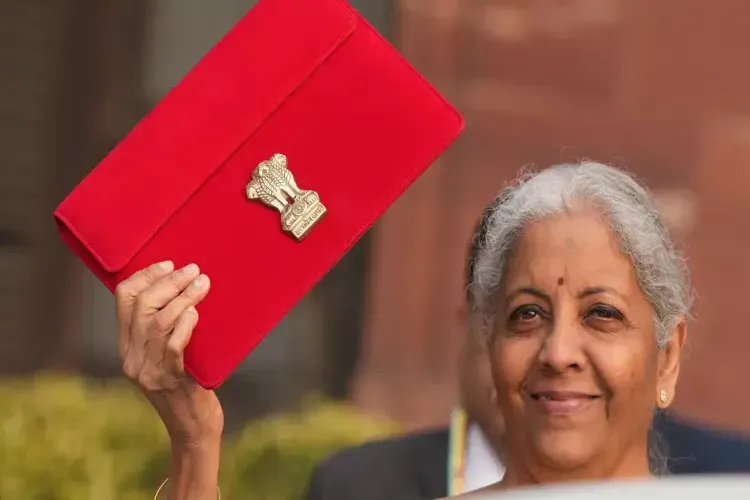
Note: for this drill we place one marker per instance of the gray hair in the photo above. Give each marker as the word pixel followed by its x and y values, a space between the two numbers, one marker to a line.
pixel 633 219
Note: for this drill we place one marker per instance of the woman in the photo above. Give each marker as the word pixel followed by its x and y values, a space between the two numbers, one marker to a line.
pixel 583 300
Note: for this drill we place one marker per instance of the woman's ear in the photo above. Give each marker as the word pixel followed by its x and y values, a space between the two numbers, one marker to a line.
pixel 669 365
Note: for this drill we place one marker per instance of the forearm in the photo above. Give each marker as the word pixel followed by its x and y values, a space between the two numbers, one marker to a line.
pixel 195 471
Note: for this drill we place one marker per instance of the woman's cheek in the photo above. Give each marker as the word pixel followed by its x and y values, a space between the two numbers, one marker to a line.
pixel 625 372
pixel 510 365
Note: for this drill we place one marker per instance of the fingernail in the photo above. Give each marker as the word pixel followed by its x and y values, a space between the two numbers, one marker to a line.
pixel 192 310
pixel 200 281
pixel 190 269
pixel 167 265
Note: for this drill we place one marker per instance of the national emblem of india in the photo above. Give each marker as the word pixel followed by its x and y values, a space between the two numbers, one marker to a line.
pixel 273 184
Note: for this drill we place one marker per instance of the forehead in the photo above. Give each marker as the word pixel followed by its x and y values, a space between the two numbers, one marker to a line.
pixel 577 246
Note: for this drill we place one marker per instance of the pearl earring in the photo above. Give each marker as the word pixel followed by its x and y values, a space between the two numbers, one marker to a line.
pixel 663 396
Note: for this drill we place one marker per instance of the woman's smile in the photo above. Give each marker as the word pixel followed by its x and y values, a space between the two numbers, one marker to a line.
pixel 560 403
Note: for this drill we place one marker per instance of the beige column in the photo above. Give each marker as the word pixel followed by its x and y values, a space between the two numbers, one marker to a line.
pixel 403 365
pixel 713 385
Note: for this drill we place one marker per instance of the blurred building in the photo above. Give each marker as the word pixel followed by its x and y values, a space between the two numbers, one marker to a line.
pixel 657 86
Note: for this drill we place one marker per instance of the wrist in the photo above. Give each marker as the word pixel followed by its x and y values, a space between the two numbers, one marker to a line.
pixel 198 418
pixel 198 442
pixel 195 469
pixel 196 454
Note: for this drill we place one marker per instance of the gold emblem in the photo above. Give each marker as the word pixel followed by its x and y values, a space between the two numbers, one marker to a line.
pixel 274 185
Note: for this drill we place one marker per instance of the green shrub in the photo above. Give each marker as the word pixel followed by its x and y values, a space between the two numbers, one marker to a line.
pixel 64 438
pixel 273 459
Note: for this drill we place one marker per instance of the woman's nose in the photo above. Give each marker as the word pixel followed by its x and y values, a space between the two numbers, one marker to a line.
pixel 562 349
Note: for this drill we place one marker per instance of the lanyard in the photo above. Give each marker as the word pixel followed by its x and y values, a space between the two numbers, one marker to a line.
pixel 457 452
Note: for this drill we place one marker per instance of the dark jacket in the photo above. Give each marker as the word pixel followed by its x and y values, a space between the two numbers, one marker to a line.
pixel 415 466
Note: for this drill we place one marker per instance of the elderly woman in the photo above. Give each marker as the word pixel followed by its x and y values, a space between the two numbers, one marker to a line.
pixel 583 300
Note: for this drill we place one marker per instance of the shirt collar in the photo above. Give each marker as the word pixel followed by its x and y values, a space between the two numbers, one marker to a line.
pixel 483 466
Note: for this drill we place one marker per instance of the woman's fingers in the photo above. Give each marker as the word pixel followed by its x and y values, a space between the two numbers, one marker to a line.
pixel 178 341
pixel 145 323
pixel 161 293
pixel 190 296
pixel 127 292
pixel 164 321
pixel 168 371
pixel 146 328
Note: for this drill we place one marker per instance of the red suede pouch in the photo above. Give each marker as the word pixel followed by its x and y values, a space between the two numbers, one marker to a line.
pixel 309 80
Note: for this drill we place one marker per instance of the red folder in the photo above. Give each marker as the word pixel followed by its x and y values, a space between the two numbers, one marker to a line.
pixel 264 165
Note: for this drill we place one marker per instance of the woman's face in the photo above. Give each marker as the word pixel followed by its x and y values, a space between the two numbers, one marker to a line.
pixel 574 356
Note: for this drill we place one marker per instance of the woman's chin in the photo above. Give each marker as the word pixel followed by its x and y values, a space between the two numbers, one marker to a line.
pixel 563 450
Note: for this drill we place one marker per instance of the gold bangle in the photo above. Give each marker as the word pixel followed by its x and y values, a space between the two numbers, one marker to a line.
pixel 161 487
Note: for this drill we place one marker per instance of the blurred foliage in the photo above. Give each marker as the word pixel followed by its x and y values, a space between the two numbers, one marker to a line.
pixel 273 459
pixel 65 438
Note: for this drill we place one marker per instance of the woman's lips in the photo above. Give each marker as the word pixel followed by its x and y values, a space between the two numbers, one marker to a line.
pixel 561 402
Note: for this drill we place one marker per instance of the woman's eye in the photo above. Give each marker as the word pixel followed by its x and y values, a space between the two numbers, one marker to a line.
pixel 526 313
pixel 604 312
